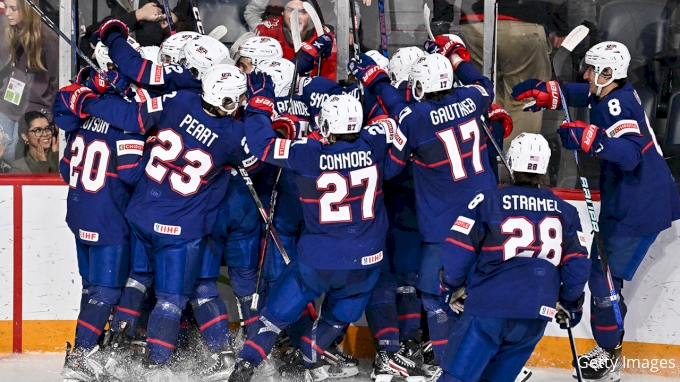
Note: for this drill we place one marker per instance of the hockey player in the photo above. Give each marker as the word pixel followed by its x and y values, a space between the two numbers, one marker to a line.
pixel 400 65
pixel 521 235
pixel 254 49
pixel 101 164
pixel 341 202
pixel 278 27
pixel 171 46
pixel 442 130
pixel 174 205
pixel 639 195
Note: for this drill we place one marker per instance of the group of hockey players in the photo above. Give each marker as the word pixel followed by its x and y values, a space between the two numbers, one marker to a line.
pixel 381 196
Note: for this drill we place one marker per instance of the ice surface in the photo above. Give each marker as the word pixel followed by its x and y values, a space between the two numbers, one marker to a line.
pixel 47 368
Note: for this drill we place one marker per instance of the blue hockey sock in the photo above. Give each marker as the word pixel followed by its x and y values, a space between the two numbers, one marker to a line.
pixel 439 325
pixel 163 330
pixel 213 321
pixel 130 307
pixel 382 321
pixel 261 339
pixel 91 322
pixel 184 323
pixel 408 308
pixel 317 339
pixel 249 316
pixel 603 322
pixel 297 329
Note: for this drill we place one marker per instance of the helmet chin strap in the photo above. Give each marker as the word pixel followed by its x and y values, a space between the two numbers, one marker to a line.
pixel 600 87
pixel 414 91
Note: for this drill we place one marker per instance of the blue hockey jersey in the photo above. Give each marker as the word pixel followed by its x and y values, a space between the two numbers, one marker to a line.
pixel 101 165
pixel 638 192
pixel 448 146
pixel 185 177
pixel 340 187
pixel 156 78
pixel 527 249
pixel 313 92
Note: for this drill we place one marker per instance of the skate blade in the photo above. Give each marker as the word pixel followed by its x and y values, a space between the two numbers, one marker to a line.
pixel 416 379
pixel 524 375
pixel 335 372
pixel 381 377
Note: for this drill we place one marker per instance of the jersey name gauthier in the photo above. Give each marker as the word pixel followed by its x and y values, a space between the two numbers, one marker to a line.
pixel 453 111
pixel 345 160
pixel 529 203
pixel 198 131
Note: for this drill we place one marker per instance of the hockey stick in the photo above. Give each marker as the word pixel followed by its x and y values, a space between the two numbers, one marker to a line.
pixel 355 47
pixel 297 45
pixel 569 43
pixel 426 16
pixel 342 35
pixel 495 146
pixel 80 53
pixel 383 28
pixel 197 17
pixel 574 353
pixel 318 28
pixel 168 16
pixel 219 32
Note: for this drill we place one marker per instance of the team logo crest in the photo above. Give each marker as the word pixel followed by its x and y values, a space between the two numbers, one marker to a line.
pixel 610 47
pixel 202 50
pixel 225 76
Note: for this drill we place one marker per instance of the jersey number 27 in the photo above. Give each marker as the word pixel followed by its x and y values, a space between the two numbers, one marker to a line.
pixel 331 209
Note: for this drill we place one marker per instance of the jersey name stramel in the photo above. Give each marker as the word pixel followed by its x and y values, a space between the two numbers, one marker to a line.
pixel 343 161
pixel 529 203
pixel 198 131
pixel 453 111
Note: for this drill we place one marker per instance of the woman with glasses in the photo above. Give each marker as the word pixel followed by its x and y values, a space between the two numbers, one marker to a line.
pixel 28 68
pixel 43 147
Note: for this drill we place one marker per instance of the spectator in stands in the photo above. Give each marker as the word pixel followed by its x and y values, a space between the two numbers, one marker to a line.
pixel 29 57
pixel 527 31
pixel 148 21
pixel 40 137
pixel 4 142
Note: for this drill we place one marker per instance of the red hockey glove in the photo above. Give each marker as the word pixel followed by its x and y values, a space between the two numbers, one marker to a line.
pixel 498 114
pixel 445 46
pixel 321 46
pixel 76 95
pixel 546 94
pixel 260 93
pixel 286 126
pixel 107 28
pixel 582 136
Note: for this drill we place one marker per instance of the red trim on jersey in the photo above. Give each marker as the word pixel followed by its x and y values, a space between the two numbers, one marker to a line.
pixel 409 316
pixel 564 258
pixel 213 321
pixel 458 243
pixel 439 343
pixel 159 342
pixel 266 150
pixel 498 248
pixel 648 146
pixel 85 324
pixel 395 158
pixel 125 166
pixel 312 344
pixel 606 328
pixel 445 161
pixel 251 320
pixel 141 72
pixel 386 330
pixel 129 311
pixel 259 349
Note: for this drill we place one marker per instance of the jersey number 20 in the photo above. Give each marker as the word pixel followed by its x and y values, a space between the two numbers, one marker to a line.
pixel 92 179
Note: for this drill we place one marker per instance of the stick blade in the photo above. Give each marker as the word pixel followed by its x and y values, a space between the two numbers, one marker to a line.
pixel 318 27
pixel 219 32
pixel 575 37
pixel 426 17
pixel 295 30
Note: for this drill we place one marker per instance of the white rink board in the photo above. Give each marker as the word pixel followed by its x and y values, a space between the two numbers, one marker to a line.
pixel 6 251
pixel 51 283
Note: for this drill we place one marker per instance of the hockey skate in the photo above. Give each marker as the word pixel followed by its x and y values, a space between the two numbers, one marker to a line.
pixel 266 371
pixel 429 366
pixel 81 365
pixel 295 370
pixel 340 365
pixel 388 365
pixel 601 365
pixel 413 351
pixel 243 372
pixel 221 369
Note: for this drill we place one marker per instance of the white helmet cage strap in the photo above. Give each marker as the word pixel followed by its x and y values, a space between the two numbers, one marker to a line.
pixel 340 114
pixel 529 153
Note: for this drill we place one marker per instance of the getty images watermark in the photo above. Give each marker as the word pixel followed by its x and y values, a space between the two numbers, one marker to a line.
pixel 653 365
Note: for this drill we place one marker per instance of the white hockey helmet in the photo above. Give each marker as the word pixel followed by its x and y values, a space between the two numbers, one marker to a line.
pixel 608 54
pixel 173 45
pixel 151 53
pixel 233 50
pixel 101 53
pixel 340 114
pixel 400 64
pixel 199 54
pixel 223 86
pixel 281 71
pixel 260 48
pixel 433 72
pixel 379 59
pixel 529 153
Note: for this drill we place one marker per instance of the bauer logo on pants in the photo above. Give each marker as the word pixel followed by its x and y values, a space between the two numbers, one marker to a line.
pixel 167 229
pixel 368 260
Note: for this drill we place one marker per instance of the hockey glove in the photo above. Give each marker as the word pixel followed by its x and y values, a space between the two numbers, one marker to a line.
pixel 285 126
pixel 453 297
pixel 498 114
pixel 579 135
pixel 447 47
pixel 91 78
pixel 76 95
pixel 546 94
pixel 260 93
pixel 107 28
pixel 367 71
pixel 572 311
pixel 322 46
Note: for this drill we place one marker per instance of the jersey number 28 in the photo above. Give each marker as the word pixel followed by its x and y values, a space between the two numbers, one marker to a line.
pixel 525 233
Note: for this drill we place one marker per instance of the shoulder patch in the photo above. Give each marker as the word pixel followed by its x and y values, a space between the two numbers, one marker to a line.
pixel 480 88
pixel 399 140
pixel 624 126
pixel 281 148
pixel 463 225
pixel 154 104
pixel 581 238
pixel 156 75
pixel 129 146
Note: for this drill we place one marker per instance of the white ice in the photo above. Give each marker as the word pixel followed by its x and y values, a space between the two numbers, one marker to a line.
pixel 47 367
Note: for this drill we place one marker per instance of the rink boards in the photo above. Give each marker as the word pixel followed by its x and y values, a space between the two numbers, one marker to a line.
pixel 40 287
